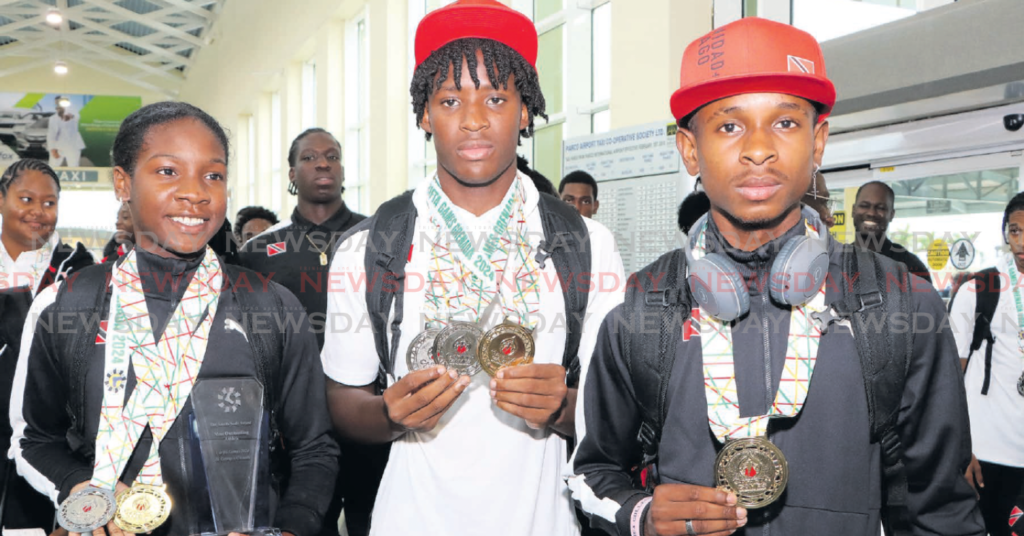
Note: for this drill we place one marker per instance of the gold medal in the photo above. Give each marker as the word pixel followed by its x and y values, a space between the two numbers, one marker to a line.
pixel 142 508
pixel 752 468
pixel 506 345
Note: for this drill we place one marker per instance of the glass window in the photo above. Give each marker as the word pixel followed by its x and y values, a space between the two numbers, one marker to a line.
pixel 309 95
pixel 545 8
pixel 276 148
pixel 829 19
pixel 252 159
pixel 602 122
pixel 950 207
pixel 601 79
pixel 357 114
pixel 547 152
pixel 422 158
pixel 549 68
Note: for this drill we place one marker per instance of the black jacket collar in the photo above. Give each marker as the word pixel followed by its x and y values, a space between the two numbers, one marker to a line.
pixel 335 224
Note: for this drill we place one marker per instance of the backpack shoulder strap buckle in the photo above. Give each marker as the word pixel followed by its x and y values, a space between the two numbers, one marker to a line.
pixel 384 259
pixel 543 253
pixel 664 298
pixel 648 438
pixel 869 300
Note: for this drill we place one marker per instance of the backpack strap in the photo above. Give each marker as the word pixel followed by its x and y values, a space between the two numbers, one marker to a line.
pixel 567 242
pixel 884 356
pixel 657 291
pixel 387 251
pixel 267 345
pixel 987 290
pixel 87 295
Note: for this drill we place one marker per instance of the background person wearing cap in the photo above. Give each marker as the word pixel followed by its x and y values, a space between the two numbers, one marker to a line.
pixel 752 111
pixel 471 454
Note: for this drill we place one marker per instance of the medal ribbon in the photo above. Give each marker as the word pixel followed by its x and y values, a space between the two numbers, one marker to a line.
pixel 720 372
pixel 1011 267
pixel 165 370
pixel 463 282
pixel 520 295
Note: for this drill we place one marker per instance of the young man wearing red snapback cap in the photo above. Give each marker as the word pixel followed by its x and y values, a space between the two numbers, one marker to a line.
pixel 472 454
pixel 783 456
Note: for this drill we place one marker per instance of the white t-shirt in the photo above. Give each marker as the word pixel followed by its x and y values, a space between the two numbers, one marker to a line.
pixel 28 269
pixel 994 434
pixel 481 470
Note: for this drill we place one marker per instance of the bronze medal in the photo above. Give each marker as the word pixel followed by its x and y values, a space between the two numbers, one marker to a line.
pixel 142 508
pixel 87 510
pixel 752 468
pixel 456 347
pixel 506 345
pixel 421 351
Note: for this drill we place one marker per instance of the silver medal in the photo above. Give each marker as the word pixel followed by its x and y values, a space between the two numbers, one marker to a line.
pixel 87 510
pixel 456 347
pixel 421 351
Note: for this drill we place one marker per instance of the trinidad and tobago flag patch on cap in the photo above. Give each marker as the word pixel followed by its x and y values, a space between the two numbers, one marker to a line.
pixel 1015 515
pixel 276 248
pixel 101 335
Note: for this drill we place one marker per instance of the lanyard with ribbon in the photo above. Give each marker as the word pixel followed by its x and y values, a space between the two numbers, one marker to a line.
pixel 165 372
pixel 1011 268
pixel 463 280
pixel 749 464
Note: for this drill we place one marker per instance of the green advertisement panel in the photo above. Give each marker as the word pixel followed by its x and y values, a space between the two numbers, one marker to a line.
pixel 66 130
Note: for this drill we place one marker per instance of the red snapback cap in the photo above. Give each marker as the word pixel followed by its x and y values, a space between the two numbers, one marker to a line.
pixel 752 55
pixel 482 19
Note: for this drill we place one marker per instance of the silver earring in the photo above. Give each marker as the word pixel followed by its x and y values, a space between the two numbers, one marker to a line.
pixel 814 181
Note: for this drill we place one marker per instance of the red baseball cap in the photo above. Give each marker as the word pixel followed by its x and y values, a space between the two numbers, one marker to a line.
pixel 482 19
pixel 752 55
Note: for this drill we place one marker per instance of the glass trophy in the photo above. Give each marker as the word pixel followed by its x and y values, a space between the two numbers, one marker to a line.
pixel 231 426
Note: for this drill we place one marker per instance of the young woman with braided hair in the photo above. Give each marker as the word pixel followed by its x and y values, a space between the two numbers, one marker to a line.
pixel 32 257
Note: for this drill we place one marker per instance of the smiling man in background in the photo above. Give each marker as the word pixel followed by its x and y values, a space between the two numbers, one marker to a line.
pixel 873 211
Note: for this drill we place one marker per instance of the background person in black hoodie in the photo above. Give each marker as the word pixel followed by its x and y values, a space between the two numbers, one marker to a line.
pixel 297 254
pixel 32 257
pixel 171 167
pixel 753 127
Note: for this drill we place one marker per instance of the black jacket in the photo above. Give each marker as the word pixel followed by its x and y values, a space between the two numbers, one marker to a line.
pixel 26 510
pixel 289 253
pixel 899 253
pixel 49 452
pixel 835 483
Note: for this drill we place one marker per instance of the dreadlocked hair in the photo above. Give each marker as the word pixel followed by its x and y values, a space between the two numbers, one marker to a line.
pixel 499 60
pixel 26 164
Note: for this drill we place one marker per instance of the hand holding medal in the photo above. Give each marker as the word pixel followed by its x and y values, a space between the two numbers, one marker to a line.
pixel 536 393
pixel 683 509
pixel 419 400
pixel 748 464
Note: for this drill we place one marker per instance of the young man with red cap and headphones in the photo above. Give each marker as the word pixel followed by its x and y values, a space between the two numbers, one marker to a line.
pixel 733 434
pixel 462 276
